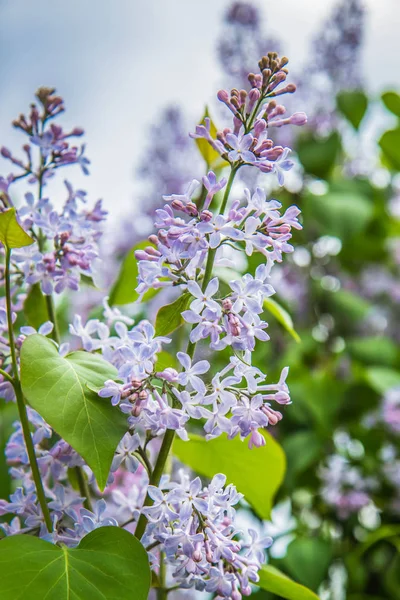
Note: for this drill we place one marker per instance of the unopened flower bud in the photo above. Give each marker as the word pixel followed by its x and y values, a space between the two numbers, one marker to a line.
pixel 242 96
pixel 246 591
pixel 298 118
pixel 235 102
pixel 197 556
pixel 289 89
pixel 283 62
pixel 223 96
pixel 136 410
pixel 152 251
pixel 77 131
pixel 253 97
pixel 227 304
pixel 177 205
pixel 5 152
pixel 191 209
pixel 206 215
pixel 132 398
pixel 153 239
pixel 169 374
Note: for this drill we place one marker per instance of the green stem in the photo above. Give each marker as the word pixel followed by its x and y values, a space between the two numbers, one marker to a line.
pixel 55 334
pixel 145 460
pixel 170 433
pixel 162 592
pixel 83 487
pixel 23 415
pixel 211 254
pixel 156 476
pixel 7 376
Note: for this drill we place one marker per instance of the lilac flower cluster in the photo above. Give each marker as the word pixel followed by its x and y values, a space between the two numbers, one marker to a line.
pixel 149 396
pixel 66 241
pixel 52 141
pixel 254 112
pixel 66 246
pixel 345 488
pixel 196 527
pixel 71 521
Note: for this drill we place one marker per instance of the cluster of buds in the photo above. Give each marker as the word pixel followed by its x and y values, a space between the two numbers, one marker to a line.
pixel 51 106
pixel 50 138
pixel 232 320
pixel 254 112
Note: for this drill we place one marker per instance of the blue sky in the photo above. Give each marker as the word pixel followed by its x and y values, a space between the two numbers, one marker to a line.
pixel 117 62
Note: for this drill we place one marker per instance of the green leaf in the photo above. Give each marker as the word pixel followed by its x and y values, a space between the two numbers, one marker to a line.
pixel 35 308
pixel 243 467
pixel 353 105
pixel 390 146
pixel 124 289
pixel 59 389
pixel 12 234
pixel 392 102
pixel 318 156
pixel 274 581
pixel 282 316
pixel 169 317
pixel 382 379
pixel 165 361
pixel 212 158
pixel 109 564
pixel 340 214
pixel 302 449
pixel 373 350
pixel 308 560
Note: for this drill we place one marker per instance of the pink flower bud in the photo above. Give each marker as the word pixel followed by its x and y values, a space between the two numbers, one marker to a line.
pixel 227 304
pixel 298 118
pixel 153 239
pixel 223 96
pixel 206 215
pixel 5 152
pixel 256 440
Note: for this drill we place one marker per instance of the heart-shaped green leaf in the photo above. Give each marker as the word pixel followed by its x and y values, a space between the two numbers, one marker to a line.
pixel 35 308
pixel 390 146
pixel 108 564
pixel 169 317
pixel 353 105
pixel 11 233
pixel 241 466
pixel 273 580
pixel 61 390
pixel 392 102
